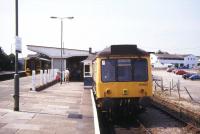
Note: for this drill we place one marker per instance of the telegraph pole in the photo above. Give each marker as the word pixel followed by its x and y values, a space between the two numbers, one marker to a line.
pixel 16 76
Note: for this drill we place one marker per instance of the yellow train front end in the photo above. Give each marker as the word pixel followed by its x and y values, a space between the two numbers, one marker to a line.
pixel 123 80
pixel 126 88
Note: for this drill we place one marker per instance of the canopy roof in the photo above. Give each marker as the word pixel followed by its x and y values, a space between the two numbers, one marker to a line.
pixel 54 52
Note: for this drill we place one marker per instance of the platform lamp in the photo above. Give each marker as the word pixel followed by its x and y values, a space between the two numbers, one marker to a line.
pixel 18 50
pixel 61 42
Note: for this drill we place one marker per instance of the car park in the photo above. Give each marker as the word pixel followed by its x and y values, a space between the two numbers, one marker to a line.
pixel 170 69
pixel 180 72
pixel 156 78
pixel 183 67
pixel 195 77
pixel 175 70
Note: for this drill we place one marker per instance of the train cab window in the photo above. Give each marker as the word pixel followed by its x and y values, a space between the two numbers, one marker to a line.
pixel 124 70
pixel 140 70
pixel 108 70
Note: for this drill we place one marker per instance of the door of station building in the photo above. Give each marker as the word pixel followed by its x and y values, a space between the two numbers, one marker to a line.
pixel 75 67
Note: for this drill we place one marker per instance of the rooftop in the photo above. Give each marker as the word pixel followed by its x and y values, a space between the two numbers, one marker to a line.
pixel 172 56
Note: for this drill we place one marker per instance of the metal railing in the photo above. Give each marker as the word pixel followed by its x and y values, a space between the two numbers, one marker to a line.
pixel 173 87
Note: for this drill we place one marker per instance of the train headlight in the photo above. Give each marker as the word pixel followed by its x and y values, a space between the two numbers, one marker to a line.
pixel 108 91
pixel 125 91
pixel 141 91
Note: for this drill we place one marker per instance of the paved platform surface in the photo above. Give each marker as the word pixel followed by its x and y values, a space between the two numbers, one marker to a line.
pixel 60 109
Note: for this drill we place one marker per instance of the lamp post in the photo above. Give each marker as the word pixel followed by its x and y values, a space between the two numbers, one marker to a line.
pixel 16 76
pixel 61 42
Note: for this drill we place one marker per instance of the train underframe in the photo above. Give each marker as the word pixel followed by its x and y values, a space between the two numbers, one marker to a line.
pixel 117 108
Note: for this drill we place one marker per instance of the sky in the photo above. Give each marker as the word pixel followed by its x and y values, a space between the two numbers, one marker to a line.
pixel 167 25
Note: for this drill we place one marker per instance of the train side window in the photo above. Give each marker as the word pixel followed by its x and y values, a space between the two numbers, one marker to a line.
pixel 140 70
pixel 124 70
pixel 108 68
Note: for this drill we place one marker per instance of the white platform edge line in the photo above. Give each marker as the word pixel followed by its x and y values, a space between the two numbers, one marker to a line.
pixel 96 122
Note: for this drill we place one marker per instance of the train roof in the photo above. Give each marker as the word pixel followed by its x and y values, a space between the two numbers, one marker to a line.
pixel 122 50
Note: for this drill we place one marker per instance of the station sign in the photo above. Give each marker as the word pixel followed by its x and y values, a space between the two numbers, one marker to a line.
pixel 18 44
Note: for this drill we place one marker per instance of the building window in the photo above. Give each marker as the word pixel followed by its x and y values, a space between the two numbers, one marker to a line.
pixel 87 70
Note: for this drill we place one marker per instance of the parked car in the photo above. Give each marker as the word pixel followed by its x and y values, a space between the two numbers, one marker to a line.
pixel 175 70
pixel 195 77
pixel 186 76
pixel 183 67
pixel 181 72
pixel 170 69
pixel 156 78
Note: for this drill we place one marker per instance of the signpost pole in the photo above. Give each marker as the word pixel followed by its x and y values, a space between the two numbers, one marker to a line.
pixel 16 76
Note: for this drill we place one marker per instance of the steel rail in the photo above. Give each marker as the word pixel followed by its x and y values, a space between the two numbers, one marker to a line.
pixel 189 126
pixel 146 130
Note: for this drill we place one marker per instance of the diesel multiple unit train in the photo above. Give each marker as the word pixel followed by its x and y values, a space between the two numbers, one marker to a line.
pixel 122 80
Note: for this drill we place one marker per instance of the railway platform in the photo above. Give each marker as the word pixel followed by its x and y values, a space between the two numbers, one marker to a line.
pixel 60 109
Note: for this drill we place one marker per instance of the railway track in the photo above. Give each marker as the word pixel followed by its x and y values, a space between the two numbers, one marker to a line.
pixel 123 127
pixel 153 121
pixel 189 125
pixel 10 75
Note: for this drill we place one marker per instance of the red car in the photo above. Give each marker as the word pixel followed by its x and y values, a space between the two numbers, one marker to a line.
pixel 175 70
pixel 180 72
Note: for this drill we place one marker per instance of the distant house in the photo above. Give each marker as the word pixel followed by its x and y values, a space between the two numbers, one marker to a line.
pixel 188 60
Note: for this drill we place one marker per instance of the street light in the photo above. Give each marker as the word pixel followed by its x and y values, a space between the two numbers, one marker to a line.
pixel 16 76
pixel 61 46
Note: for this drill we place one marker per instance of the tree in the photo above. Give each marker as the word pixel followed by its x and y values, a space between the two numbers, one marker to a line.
pixel 7 62
pixel 161 52
pixel 11 62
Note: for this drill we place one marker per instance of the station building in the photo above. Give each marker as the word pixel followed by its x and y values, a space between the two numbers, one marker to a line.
pixel 36 62
pixel 188 60
pixel 71 59
pixel 88 70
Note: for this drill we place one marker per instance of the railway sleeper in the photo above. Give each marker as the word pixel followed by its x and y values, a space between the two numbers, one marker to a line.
pixel 175 112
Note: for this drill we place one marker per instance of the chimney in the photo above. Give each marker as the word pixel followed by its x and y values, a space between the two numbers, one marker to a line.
pixel 90 50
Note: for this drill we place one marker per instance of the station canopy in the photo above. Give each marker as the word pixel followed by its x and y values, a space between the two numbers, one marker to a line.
pixel 54 52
